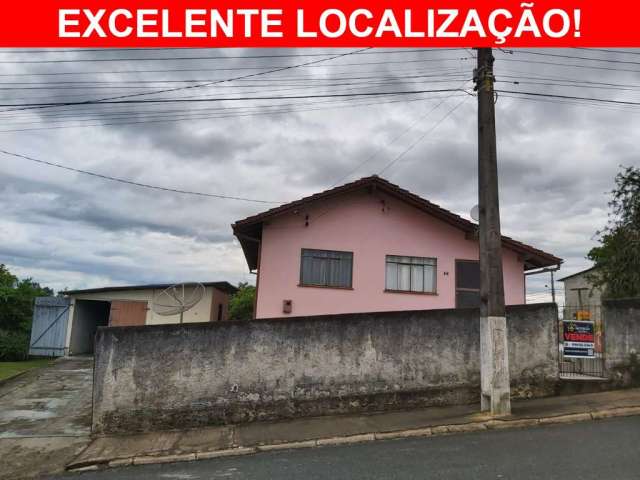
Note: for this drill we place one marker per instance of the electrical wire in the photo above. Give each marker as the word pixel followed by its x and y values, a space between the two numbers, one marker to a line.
pixel 575 57
pixel 213 117
pixel 131 182
pixel 202 57
pixel 182 70
pixel 422 137
pixel 396 138
pixel 207 84
pixel 571 97
pixel 232 99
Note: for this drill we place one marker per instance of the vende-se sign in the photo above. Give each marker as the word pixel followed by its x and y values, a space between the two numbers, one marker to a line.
pixel 270 23
pixel 578 339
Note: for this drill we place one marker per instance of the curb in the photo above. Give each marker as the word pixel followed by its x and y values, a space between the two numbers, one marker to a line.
pixel 473 426
pixel 6 380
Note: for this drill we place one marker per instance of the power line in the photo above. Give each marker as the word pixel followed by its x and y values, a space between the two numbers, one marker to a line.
pixel 213 117
pixel 201 57
pixel 109 72
pixel 346 87
pixel 568 85
pixel 280 69
pixel 404 132
pixel 569 65
pixel 229 99
pixel 575 57
pixel 55 117
pixel 136 184
pixel 421 137
pixel 276 82
pixel 570 102
pixel 608 50
pixel 570 97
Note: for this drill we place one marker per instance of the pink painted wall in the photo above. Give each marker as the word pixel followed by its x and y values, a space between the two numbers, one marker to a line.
pixel 358 223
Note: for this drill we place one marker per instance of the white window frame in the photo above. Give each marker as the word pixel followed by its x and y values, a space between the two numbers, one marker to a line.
pixel 412 264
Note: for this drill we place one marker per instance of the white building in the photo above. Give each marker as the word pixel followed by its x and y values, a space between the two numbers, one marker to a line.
pixel 66 325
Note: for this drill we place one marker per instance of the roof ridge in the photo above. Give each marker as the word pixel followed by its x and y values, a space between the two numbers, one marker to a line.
pixel 403 194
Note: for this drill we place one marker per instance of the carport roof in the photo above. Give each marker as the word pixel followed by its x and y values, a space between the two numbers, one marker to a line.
pixel 225 287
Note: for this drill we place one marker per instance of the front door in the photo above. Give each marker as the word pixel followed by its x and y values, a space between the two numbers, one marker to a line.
pixel 127 313
pixel 467 284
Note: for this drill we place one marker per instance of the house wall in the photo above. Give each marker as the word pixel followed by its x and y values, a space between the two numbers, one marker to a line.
pixel 181 376
pixel 592 296
pixel 219 298
pixel 363 224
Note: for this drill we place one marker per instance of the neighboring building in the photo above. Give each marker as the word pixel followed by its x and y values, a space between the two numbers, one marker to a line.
pixel 132 305
pixel 579 291
pixel 371 246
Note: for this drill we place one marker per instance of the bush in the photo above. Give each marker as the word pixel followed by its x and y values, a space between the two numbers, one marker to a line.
pixel 241 304
pixel 14 345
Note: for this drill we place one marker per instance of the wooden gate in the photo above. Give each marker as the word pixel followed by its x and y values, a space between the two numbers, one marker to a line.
pixel 49 326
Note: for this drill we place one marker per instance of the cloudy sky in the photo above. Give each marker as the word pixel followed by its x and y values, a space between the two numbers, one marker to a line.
pixel 557 157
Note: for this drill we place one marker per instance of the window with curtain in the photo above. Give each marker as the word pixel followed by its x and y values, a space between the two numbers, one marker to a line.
pixel 326 268
pixel 411 274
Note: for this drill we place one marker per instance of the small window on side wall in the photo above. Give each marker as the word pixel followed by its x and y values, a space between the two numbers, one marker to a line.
pixel 411 274
pixel 326 268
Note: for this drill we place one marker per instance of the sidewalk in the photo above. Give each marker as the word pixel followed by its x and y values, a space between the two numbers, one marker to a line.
pixel 211 442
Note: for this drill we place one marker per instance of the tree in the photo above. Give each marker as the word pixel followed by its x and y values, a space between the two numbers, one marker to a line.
pixel 16 310
pixel 617 258
pixel 241 304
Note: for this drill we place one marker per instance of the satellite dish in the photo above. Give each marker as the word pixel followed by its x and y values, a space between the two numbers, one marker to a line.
pixel 475 213
pixel 177 299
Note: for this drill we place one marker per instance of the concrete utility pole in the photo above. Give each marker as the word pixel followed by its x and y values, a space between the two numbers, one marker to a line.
pixel 553 288
pixel 494 354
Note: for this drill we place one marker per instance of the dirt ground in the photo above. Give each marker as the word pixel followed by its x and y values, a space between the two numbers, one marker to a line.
pixel 45 418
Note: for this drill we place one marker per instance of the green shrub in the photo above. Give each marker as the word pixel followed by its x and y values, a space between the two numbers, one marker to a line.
pixel 14 345
pixel 241 304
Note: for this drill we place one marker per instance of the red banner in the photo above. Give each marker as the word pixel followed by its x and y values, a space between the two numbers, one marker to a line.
pixel 269 23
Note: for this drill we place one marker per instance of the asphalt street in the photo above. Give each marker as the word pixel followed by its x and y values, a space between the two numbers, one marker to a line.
pixel 590 450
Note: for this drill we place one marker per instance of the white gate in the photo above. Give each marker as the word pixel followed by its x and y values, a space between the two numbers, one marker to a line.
pixel 49 326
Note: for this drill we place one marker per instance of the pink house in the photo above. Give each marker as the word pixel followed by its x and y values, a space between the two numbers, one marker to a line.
pixel 371 246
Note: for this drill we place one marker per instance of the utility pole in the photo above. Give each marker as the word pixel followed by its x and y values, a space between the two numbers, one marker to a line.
pixel 553 288
pixel 494 354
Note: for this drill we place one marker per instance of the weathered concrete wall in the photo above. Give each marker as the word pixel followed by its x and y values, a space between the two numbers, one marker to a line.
pixel 170 376
pixel 622 340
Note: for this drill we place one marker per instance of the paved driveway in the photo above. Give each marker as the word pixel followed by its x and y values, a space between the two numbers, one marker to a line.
pixel 45 417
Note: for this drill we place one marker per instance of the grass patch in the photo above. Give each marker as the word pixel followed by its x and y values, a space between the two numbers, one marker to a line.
pixel 9 369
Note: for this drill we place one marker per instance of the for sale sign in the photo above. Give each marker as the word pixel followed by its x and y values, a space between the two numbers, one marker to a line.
pixel 578 339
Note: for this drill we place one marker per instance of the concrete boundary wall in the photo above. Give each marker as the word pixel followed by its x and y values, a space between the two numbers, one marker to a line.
pixel 622 340
pixel 179 376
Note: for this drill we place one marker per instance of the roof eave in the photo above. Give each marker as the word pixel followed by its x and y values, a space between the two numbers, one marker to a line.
pixel 536 258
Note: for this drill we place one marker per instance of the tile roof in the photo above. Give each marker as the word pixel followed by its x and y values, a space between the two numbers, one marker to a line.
pixel 249 230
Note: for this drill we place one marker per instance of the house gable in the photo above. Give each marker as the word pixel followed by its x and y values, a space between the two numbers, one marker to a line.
pixel 249 231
